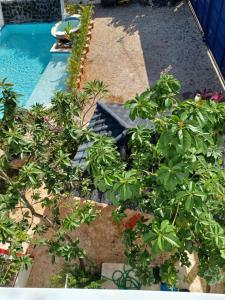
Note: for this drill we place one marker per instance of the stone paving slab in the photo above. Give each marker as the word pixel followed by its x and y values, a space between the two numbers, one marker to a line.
pixel 132 45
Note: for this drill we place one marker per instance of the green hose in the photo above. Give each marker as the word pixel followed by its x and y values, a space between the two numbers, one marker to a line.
pixel 124 281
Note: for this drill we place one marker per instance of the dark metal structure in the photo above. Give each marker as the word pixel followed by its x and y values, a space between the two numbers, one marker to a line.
pixel 113 120
pixel 211 16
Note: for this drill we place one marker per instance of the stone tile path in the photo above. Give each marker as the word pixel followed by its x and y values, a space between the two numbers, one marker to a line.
pixel 133 44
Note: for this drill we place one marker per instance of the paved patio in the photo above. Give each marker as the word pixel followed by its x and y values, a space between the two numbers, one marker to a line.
pixel 133 44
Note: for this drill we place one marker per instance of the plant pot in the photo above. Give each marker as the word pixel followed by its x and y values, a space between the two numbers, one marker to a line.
pixel 88 40
pixel 84 55
pixel 78 83
pixel 89 34
pixel 86 48
pixel 81 69
pixel 91 24
pixel 82 61
pixel 79 76
pixel 167 288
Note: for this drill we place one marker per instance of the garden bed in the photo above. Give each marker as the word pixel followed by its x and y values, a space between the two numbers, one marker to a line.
pixel 80 45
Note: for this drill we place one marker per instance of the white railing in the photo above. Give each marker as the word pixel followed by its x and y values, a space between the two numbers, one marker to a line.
pixel 1 17
pixel 84 294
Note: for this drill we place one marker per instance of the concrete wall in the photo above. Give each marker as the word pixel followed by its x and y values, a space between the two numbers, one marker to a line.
pixel 87 294
pixel 1 17
pixel 23 11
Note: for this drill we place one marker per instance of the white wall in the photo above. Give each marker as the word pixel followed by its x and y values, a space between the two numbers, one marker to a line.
pixel 85 294
pixel 1 16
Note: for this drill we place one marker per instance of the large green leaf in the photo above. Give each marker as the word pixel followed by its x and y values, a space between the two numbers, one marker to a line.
pixel 171 176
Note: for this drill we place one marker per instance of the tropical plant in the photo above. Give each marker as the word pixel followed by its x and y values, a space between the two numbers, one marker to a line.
pixel 209 95
pixel 174 172
pixel 68 34
pixel 37 174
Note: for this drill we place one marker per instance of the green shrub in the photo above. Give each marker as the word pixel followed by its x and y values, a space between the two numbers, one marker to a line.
pixel 74 277
pixel 41 141
pixel 175 172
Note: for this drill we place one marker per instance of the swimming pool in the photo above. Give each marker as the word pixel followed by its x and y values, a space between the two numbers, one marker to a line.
pixel 24 56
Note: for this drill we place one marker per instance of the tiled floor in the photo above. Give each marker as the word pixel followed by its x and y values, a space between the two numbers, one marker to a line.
pixel 133 44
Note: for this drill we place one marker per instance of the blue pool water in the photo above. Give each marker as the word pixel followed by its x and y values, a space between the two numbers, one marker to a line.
pixel 24 55
pixel 73 23
pixel 53 79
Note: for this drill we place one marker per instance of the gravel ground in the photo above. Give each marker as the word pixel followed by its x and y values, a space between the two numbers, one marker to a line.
pixel 133 44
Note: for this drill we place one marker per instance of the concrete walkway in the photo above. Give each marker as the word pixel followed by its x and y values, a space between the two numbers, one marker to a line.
pixel 133 44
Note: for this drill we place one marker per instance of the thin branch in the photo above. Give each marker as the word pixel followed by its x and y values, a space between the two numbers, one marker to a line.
pixel 89 108
pixel 177 210
pixel 2 177
pixel 34 212
pixel 5 176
